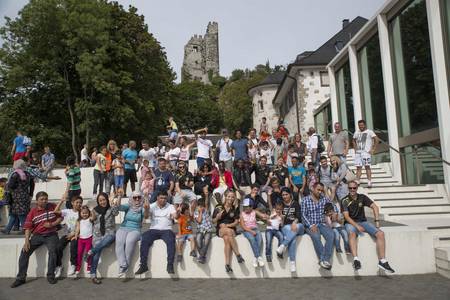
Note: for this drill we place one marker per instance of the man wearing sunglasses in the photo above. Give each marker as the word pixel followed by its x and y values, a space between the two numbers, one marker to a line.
pixel 184 181
pixel 356 223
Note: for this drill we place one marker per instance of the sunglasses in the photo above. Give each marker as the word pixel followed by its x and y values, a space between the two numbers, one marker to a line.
pixel 352 187
pixel 137 197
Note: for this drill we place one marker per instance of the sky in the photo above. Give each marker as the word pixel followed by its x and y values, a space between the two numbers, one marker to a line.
pixel 251 32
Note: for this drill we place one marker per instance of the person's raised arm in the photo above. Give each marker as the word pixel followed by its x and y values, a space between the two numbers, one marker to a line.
pixel 60 203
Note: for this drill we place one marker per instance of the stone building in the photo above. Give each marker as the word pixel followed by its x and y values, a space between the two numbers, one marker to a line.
pixel 262 96
pixel 303 97
pixel 201 56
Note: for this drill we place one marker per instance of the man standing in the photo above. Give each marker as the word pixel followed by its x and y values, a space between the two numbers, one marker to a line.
pixel 356 223
pixel 224 148
pixel 130 156
pixel 239 147
pixel 164 181
pixel 313 146
pixel 19 149
pixel 47 161
pixel 162 214
pixel 147 153
pixel 40 229
pixel 313 218
pixel 364 142
pixel 203 147
pixel 338 143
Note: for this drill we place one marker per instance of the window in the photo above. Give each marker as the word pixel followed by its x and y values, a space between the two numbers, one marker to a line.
pixel 345 98
pixel 261 106
pixel 195 48
pixel 324 79
pixel 413 69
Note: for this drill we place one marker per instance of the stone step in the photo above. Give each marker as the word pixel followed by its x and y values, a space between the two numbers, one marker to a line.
pixel 404 217
pixel 400 189
pixel 444 241
pixel 419 209
pixel 404 195
pixel 412 201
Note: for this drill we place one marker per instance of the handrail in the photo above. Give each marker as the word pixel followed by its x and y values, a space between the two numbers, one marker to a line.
pixel 439 157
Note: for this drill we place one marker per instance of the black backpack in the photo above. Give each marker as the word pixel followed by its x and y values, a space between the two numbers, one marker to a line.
pixel 320 144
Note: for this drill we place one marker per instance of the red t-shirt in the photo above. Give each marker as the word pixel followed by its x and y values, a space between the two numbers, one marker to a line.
pixel 37 217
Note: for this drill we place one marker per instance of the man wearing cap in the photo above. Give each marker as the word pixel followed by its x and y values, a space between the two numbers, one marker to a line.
pixel 297 177
pixel 223 146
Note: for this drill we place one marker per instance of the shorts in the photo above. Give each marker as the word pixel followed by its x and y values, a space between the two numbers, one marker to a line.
pixel 173 134
pixel 185 237
pixel 189 196
pixel 19 155
pixel 130 175
pixel 118 181
pixel 363 159
pixel 368 227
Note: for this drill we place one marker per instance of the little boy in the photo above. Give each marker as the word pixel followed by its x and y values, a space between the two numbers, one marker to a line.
pixel 119 173
pixel 185 231
pixel 73 175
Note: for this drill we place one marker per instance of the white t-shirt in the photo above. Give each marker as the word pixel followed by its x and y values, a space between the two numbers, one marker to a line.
pixel 84 154
pixel 203 147
pixel 313 140
pixel 70 219
pixel 268 154
pixel 224 155
pixel 275 222
pixel 148 155
pixel 161 218
pixel 173 154
pixel 185 153
pixel 364 140
pixel 86 228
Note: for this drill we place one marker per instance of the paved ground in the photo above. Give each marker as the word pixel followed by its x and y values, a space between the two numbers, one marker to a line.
pixel 396 287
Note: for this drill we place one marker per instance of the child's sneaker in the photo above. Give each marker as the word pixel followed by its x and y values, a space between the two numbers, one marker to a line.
pixel 293 266
pixel 193 253
pixel 260 262
pixel 179 258
pixel 338 250
pixel 71 270
pixel 255 262
pixel 280 250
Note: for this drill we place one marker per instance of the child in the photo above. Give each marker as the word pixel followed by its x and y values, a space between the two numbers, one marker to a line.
pixel 83 234
pixel 204 228
pixel 263 127
pixel 251 231
pixel 145 168
pixel 2 195
pixel 73 175
pixel 147 184
pixel 71 216
pixel 334 219
pixel 252 153
pixel 273 229
pixel 267 151
pixel 312 177
pixel 119 173
pixel 290 152
pixel 172 129
pixel 185 231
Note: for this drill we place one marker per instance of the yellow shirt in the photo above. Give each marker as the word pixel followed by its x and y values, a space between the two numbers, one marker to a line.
pixel 173 125
pixel 2 193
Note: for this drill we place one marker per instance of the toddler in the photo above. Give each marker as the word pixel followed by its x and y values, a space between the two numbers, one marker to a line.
pixel 334 219
pixel 148 184
pixel 83 234
pixel 204 228
pixel 274 229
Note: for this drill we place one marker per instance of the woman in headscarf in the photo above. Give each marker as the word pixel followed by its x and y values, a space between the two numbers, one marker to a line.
pixel 129 232
pixel 104 231
pixel 20 187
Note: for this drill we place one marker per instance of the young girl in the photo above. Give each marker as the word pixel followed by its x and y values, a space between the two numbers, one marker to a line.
pixel 147 184
pixel 274 229
pixel 334 219
pixel 83 234
pixel 204 228
pixel 185 231
pixel 251 231
pixel 267 151
pixel 119 173
pixel 252 153
pixel 144 170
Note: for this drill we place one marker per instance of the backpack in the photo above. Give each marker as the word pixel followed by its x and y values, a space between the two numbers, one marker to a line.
pixel 320 144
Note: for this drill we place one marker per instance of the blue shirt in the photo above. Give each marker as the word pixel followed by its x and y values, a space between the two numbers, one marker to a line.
pixel 130 157
pixel 163 179
pixel 297 174
pixel 48 159
pixel 132 220
pixel 313 212
pixel 240 149
pixel 20 147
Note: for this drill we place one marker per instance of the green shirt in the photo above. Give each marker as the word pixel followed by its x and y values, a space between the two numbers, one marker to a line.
pixel 74 178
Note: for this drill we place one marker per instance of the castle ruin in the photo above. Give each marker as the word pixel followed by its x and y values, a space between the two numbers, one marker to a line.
pixel 201 56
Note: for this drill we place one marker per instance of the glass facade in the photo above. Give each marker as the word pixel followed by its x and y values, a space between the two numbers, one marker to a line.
pixel 446 14
pixel 410 43
pixel 345 98
pixel 323 121
pixel 373 101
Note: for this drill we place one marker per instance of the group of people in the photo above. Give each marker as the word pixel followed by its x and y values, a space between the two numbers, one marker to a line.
pixel 243 185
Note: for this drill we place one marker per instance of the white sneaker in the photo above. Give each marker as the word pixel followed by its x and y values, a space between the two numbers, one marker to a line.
pixel 77 274
pixel 71 270
pixel 260 262
pixel 293 266
pixel 121 274
pixel 255 262
pixel 280 249
pixel 58 272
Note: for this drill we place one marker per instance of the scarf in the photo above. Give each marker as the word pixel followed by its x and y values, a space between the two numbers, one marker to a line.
pixel 102 212
pixel 135 206
pixel 19 167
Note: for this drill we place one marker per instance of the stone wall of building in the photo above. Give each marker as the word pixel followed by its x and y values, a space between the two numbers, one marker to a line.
pixel 201 56
pixel 263 107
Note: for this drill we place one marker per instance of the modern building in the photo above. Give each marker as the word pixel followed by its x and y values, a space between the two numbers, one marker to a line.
pixel 395 74
pixel 262 96
pixel 304 91
pixel 201 56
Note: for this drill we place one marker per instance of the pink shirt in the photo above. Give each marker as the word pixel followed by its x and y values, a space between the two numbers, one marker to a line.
pixel 249 219
pixel 147 186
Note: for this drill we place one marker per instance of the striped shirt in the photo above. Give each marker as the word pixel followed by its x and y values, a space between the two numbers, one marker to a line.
pixel 37 217
pixel 74 178
pixel 312 211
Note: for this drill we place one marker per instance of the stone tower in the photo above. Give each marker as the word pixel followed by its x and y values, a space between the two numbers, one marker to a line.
pixel 201 56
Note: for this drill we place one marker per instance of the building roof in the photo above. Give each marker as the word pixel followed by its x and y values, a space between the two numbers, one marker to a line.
pixel 325 53
pixel 271 79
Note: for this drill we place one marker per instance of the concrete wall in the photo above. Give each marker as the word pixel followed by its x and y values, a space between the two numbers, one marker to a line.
pixel 409 250
pixel 266 95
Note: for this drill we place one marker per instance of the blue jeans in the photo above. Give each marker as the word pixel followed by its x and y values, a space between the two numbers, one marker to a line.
pixel 200 162
pixel 255 241
pixel 338 232
pixel 13 218
pixel 106 241
pixel 290 239
pixel 270 233
pixel 323 252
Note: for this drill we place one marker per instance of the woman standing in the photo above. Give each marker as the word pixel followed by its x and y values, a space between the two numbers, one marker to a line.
pixel 226 218
pixel 21 187
pixel 104 231
pixel 110 156
pixel 99 171
pixel 185 150
pixel 299 146
pixel 129 232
